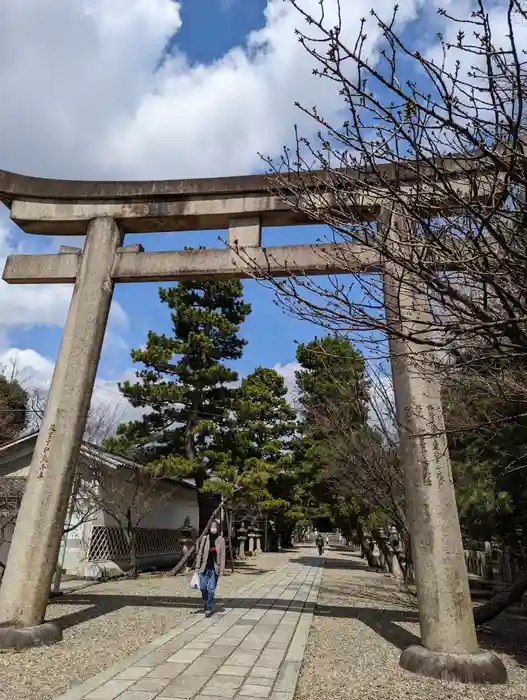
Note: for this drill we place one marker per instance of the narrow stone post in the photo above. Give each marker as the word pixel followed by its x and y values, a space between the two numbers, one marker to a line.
pixel 242 538
pixel 448 636
pixel 27 579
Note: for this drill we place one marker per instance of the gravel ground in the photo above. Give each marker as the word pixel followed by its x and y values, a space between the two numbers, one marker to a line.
pixel 362 621
pixel 108 621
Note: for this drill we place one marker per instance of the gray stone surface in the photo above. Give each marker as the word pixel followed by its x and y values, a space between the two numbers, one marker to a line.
pixel 25 637
pixel 26 582
pixel 224 656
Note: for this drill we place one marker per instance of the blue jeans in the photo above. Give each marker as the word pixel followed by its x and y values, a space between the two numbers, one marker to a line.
pixel 207 583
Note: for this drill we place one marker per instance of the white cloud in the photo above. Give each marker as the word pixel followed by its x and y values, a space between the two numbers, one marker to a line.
pixel 287 371
pixel 92 93
pixel 382 396
pixel 29 306
pixel 35 371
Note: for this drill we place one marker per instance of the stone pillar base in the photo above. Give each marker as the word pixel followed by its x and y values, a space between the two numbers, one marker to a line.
pixel 12 637
pixel 481 667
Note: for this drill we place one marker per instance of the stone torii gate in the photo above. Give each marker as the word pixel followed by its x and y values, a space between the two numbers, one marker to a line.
pixel 104 212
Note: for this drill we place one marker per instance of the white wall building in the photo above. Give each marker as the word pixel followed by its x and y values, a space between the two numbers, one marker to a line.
pixel 110 493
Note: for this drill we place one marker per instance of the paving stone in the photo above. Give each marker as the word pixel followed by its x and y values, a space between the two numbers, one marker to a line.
pixel 219 651
pixel 168 670
pixel 109 690
pixel 197 645
pixel 137 695
pixel 133 673
pixel 277 645
pixel 151 684
pixel 264 672
pixel 255 691
pixel 279 695
pixel 242 659
pixel 233 670
pixel 184 688
pixel 219 694
pixel 288 676
pixel 175 644
pixel 157 657
pixel 185 656
pixel 204 666
pixel 258 680
pixel 220 682
pixel 271 658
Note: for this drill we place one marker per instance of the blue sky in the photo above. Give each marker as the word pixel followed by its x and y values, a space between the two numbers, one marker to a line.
pixel 211 27
pixel 137 89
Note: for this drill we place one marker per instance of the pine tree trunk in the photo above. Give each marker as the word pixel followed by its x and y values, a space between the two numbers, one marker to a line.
pixel 205 503
pixel 409 568
pixel 387 554
pixel 501 601
pixel 286 541
pixel 368 552
pixel 229 519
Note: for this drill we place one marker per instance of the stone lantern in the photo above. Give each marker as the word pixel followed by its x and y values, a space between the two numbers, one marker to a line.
pixel 242 537
pixel 252 538
pixel 258 543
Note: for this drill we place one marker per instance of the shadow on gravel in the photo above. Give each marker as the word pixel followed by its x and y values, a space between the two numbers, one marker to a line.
pixel 502 635
pixel 499 636
pixel 332 563
pixel 383 622
pixel 105 604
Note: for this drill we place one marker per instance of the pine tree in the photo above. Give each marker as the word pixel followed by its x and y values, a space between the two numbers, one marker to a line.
pixel 248 456
pixel 331 367
pixel 248 451
pixel 331 381
pixel 185 381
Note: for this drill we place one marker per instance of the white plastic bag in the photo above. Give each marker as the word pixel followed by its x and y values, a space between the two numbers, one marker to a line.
pixel 194 581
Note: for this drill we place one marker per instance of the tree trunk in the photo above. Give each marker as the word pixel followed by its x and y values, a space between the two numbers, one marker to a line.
pixel 368 552
pixel 386 559
pixel 229 518
pixel 206 503
pixel 501 601
pixel 408 569
pixel 286 541
pixel 132 544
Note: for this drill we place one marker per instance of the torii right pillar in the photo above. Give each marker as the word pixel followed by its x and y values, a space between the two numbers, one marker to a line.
pixel 449 647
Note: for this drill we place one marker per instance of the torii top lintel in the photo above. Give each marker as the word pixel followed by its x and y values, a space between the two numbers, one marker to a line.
pixel 52 206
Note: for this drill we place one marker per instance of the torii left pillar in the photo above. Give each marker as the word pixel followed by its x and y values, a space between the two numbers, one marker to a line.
pixel 34 550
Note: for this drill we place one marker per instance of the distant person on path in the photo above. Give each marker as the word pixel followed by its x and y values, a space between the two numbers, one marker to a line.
pixel 210 564
pixel 320 543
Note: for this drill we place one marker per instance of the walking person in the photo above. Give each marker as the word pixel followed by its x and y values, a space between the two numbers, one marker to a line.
pixel 320 543
pixel 210 564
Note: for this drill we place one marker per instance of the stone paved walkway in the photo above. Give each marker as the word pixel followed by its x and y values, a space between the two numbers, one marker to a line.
pixel 253 649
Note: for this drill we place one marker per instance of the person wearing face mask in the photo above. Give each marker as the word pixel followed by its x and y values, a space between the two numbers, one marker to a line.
pixel 210 564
